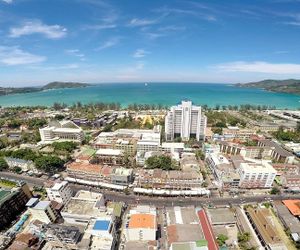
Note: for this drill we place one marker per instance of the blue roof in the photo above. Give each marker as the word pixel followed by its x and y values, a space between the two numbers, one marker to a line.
pixel 102 225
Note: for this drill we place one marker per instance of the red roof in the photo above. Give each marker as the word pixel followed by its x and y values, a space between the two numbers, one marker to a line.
pixel 207 231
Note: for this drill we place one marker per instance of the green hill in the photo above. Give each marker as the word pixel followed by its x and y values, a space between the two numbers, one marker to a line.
pixel 51 85
pixel 63 85
pixel 291 86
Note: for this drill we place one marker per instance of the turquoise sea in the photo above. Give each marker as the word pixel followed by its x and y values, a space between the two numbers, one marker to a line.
pixel 158 93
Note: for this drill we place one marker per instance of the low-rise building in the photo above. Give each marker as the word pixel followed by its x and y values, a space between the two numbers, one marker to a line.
pixel 224 171
pixel 61 130
pixel 126 140
pixel 258 174
pixel 60 192
pixel 44 211
pixel 185 231
pixel 278 153
pixel 25 241
pixel 293 206
pixel 260 220
pixel 23 164
pixel 290 222
pixel 171 180
pixel 290 181
pixel 111 157
pixel 84 207
pixel 121 176
pixel 141 224
pixel 189 163
pixel 67 235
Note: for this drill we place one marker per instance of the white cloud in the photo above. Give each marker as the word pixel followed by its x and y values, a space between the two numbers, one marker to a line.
pixel 260 67
pixel 56 67
pixel 99 26
pixel 75 52
pixel 293 23
pixel 14 56
pixel 139 53
pixel 108 44
pixel 37 27
pixel 7 1
pixel 136 22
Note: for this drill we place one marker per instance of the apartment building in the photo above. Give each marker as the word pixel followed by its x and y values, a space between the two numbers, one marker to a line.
pixel 129 140
pixel 12 203
pixel 259 174
pixel 223 170
pixel 44 212
pixel 61 130
pixel 186 121
pixel 59 192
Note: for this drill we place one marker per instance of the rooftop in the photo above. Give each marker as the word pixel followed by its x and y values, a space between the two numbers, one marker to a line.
pixel 58 185
pixel 184 233
pixel 32 202
pixel 262 167
pixel 84 167
pixel 42 205
pixel 101 225
pixel 122 171
pixel 142 221
pixel 260 217
pixel 293 206
pixel 221 216
pixel 108 151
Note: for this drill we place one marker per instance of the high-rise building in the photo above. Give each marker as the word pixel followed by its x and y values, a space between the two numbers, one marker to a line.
pixel 186 121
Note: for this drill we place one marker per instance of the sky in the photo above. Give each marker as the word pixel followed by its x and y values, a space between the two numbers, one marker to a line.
pixel 102 41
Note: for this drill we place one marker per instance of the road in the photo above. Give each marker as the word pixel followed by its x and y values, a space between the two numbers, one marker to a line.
pixel 157 201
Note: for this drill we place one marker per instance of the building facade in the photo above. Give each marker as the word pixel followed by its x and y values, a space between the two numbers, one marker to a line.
pixel 256 175
pixel 63 130
pixel 186 121
pixel 59 192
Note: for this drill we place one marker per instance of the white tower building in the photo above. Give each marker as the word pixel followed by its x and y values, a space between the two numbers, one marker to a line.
pixel 186 121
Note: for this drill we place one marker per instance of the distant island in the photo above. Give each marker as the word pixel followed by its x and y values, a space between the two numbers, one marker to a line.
pixel 291 86
pixel 51 85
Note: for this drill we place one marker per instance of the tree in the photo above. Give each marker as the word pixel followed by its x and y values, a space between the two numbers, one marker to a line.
pixel 67 146
pixel 17 170
pixel 275 190
pixel 164 162
pixel 244 237
pixel 221 239
pixel 49 163
pixel 200 155
pixel 218 131
pixel 3 164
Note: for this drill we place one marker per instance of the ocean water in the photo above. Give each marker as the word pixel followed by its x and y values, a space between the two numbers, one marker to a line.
pixel 157 93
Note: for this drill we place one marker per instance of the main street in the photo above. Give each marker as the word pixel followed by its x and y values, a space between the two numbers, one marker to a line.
pixel 157 201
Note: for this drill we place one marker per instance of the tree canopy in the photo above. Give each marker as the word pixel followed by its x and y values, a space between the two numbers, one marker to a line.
pixel 164 162
pixel 49 163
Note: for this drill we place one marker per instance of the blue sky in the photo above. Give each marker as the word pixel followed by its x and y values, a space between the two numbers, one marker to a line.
pixel 148 40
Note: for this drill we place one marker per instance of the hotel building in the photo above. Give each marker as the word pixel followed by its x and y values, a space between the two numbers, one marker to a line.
pixel 186 121
pixel 62 130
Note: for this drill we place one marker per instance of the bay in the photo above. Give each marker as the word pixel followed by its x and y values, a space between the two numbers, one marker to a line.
pixel 156 93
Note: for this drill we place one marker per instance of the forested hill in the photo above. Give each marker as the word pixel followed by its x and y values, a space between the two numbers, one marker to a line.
pixel 286 86
pixel 51 85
